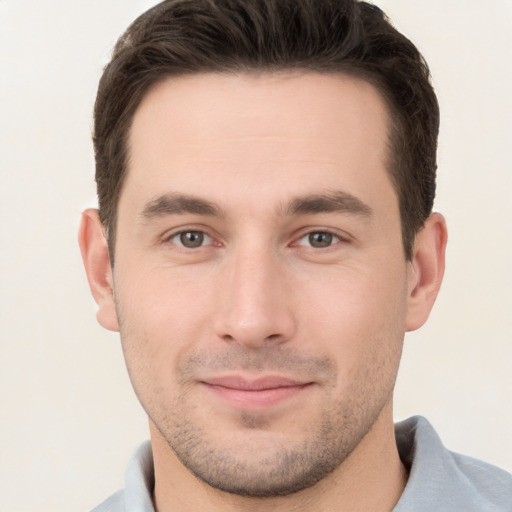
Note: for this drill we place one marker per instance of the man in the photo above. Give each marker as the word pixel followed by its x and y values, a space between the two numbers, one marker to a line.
pixel 264 239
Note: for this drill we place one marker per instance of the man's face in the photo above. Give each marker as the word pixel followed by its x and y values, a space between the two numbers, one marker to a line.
pixel 260 280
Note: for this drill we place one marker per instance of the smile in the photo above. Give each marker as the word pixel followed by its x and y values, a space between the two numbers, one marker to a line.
pixel 255 394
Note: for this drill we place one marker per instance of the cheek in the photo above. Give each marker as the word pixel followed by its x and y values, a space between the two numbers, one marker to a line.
pixel 165 299
pixel 162 317
pixel 355 312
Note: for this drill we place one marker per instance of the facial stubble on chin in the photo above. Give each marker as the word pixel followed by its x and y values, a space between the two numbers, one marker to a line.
pixel 272 467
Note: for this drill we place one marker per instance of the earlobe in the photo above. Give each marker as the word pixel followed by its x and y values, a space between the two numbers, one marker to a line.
pixel 95 255
pixel 426 271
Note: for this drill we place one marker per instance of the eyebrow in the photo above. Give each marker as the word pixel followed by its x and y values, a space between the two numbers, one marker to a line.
pixel 330 202
pixel 178 204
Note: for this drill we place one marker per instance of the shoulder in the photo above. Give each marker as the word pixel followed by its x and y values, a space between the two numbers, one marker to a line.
pixel 484 482
pixel 445 480
pixel 138 485
pixel 114 503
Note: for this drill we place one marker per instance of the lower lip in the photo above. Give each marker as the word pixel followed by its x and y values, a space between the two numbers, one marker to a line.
pixel 256 399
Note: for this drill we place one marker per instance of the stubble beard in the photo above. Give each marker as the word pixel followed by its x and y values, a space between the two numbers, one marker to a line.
pixel 287 470
pixel 277 468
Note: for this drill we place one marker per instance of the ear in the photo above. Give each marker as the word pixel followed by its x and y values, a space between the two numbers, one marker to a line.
pixel 95 255
pixel 426 270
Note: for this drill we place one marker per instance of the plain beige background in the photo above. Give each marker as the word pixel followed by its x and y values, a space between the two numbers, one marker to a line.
pixel 69 418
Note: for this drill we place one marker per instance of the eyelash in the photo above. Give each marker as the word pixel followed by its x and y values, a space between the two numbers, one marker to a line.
pixel 331 239
pixel 179 234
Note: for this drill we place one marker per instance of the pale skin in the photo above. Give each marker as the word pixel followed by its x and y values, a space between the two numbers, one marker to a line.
pixel 264 344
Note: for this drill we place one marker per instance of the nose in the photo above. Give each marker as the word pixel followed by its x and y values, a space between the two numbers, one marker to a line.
pixel 255 308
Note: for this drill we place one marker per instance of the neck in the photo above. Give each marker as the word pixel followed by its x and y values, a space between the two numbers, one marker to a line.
pixel 371 478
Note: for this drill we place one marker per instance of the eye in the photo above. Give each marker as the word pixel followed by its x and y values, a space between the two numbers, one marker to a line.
pixel 319 239
pixel 191 239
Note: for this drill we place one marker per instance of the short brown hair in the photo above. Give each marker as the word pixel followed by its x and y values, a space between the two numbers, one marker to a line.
pixel 179 37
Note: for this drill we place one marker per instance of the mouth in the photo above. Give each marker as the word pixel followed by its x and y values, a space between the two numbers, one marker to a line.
pixel 255 394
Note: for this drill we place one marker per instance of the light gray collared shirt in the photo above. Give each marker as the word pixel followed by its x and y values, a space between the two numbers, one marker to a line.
pixel 439 480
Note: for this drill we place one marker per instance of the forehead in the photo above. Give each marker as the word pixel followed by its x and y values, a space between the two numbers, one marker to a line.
pixel 270 133
pixel 293 103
